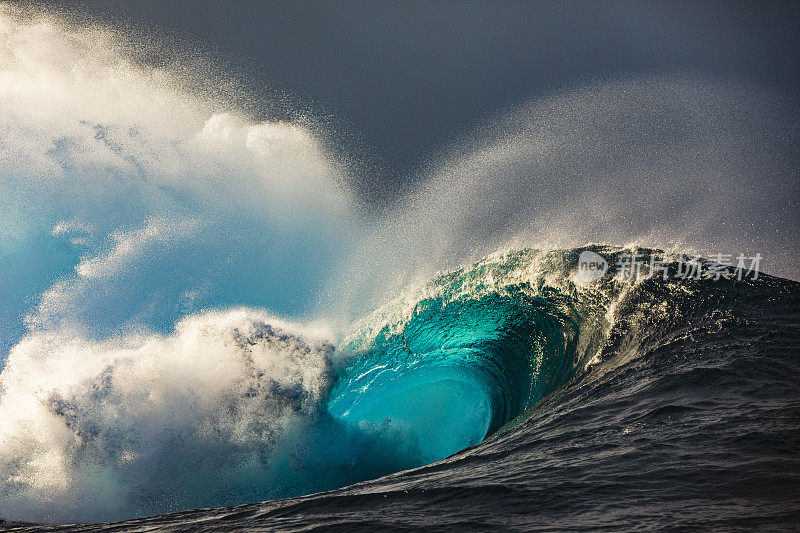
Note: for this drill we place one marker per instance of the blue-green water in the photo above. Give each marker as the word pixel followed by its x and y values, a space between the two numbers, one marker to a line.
pixel 459 367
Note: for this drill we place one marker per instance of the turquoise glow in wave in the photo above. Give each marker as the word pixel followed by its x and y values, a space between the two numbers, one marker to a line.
pixel 461 364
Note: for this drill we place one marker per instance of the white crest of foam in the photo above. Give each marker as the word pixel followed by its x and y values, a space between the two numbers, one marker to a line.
pixel 84 421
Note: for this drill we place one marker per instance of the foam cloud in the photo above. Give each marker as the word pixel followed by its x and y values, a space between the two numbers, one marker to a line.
pixel 142 174
pixel 131 212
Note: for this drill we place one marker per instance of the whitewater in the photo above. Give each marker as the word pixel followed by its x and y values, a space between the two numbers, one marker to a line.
pixel 201 327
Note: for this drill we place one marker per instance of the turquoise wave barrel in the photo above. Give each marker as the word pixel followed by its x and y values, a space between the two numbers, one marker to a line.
pixel 458 368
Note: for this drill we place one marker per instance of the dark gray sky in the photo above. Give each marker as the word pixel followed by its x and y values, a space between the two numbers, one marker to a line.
pixel 399 81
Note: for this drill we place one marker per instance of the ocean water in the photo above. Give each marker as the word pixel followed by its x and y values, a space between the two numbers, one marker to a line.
pixel 202 328
pixel 541 402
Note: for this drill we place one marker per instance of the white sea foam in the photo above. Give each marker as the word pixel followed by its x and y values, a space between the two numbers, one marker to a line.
pixel 118 422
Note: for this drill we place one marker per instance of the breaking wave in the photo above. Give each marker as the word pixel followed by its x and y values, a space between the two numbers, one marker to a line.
pixel 145 230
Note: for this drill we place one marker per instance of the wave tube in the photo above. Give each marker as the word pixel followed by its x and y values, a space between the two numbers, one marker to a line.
pixel 469 356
